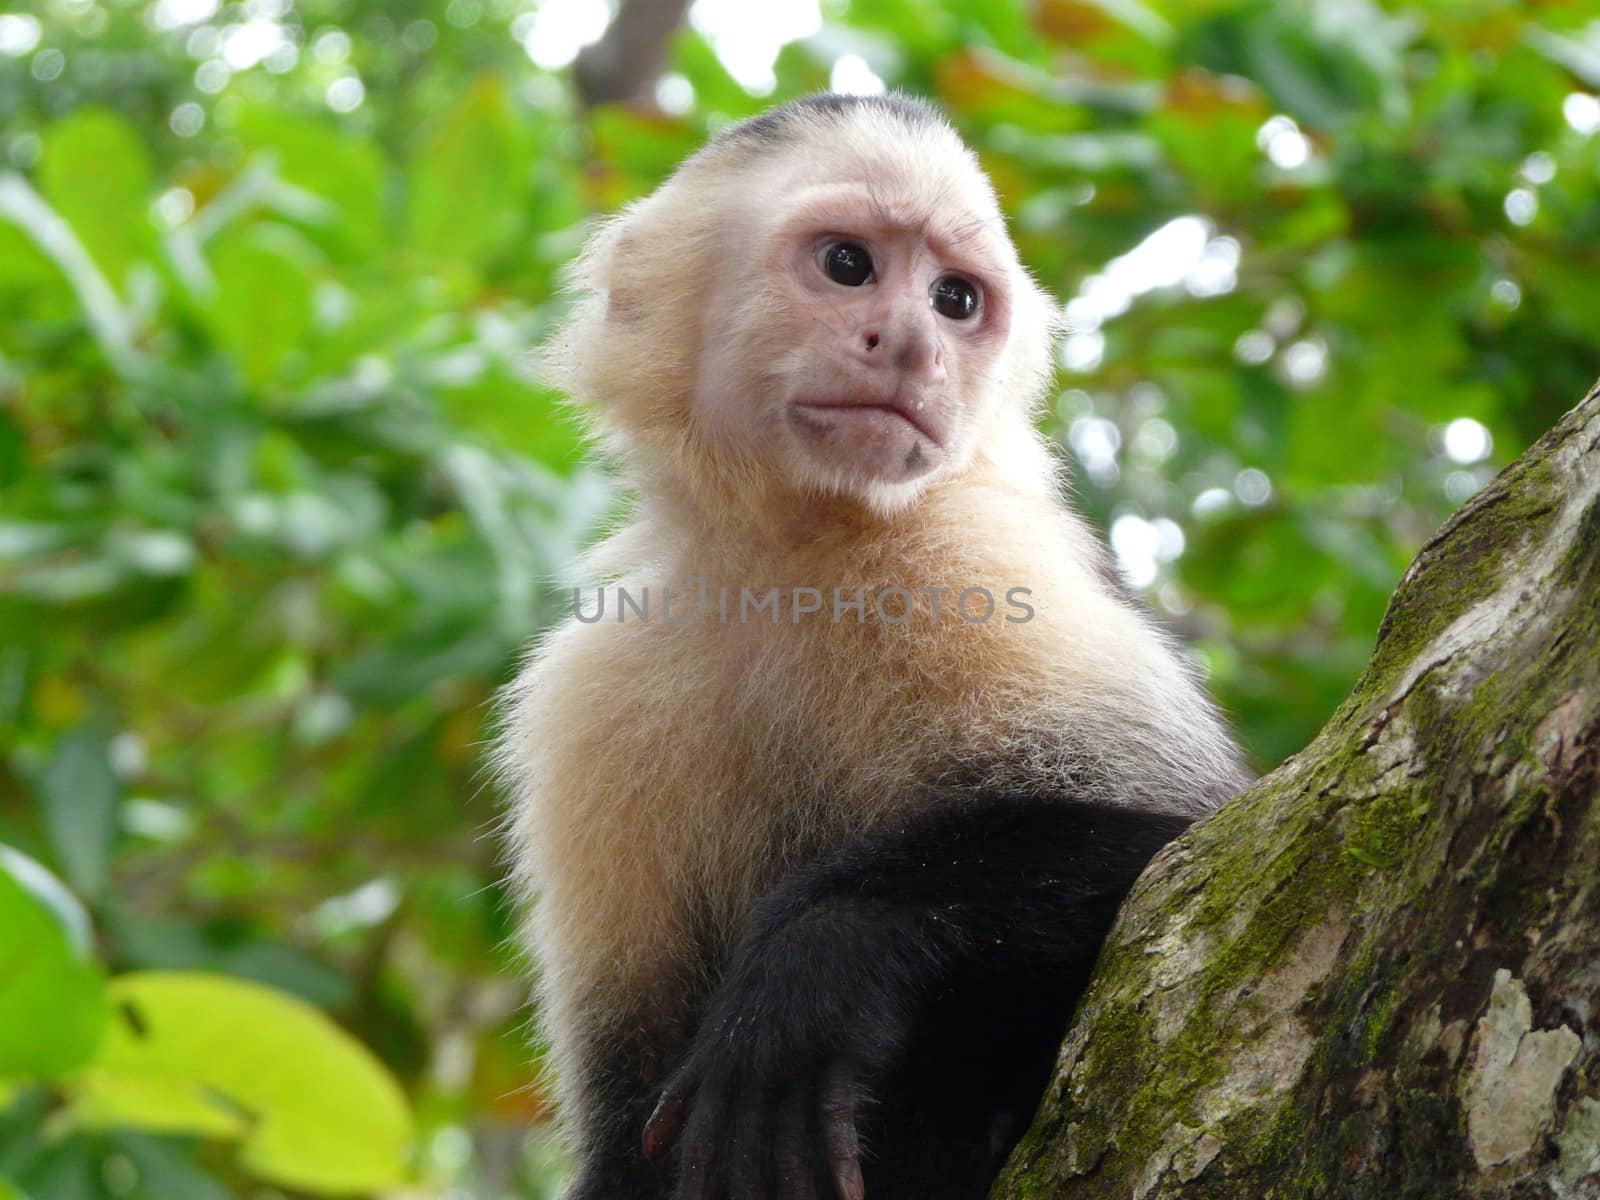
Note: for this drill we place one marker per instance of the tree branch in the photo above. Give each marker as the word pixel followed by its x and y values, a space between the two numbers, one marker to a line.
pixel 1377 972
pixel 623 65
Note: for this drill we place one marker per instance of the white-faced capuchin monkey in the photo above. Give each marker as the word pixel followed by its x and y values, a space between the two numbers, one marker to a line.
pixel 825 816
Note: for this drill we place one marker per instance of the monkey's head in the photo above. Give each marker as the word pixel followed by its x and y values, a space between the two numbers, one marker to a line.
pixel 822 301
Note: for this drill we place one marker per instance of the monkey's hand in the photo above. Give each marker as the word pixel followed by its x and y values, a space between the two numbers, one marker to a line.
pixel 812 1010
pixel 848 958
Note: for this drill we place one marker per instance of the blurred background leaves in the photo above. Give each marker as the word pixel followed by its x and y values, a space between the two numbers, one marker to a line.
pixel 281 499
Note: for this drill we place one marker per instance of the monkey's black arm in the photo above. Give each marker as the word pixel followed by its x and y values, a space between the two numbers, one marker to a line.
pixel 887 1025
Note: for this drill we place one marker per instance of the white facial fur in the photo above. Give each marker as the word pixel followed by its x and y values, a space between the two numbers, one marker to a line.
pixel 779 374
pixel 871 391
pixel 877 392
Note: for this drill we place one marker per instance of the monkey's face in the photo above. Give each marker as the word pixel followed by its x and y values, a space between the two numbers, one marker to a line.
pixel 830 308
pixel 864 358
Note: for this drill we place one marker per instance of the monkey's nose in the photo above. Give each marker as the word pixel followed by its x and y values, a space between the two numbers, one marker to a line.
pixel 912 348
pixel 919 356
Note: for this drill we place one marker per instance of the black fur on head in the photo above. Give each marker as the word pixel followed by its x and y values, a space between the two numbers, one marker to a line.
pixel 777 126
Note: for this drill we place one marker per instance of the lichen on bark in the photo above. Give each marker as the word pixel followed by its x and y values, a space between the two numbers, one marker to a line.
pixel 1376 973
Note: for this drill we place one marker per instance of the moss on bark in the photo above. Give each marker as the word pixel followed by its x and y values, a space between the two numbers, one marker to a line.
pixel 1377 972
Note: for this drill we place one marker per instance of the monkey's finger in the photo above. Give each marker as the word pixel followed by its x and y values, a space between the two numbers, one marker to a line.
pixel 700 1169
pixel 697 1174
pixel 665 1125
pixel 745 1137
pixel 839 1133
pixel 794 1151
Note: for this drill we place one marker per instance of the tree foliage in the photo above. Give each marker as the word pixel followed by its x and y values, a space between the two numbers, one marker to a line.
pixel 281 498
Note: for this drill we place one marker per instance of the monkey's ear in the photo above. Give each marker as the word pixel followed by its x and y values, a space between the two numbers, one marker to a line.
pixel 623 302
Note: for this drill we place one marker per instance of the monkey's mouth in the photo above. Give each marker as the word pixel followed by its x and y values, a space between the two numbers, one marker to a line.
pixel 880 417
pixel 887 439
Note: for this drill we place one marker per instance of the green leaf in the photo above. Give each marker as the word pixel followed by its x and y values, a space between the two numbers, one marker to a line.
pixel 528 419
pixel 168 942
pixel 1208 128
pixel 52 996
pixel 1256 564
pixel 28 269
pixel 468 182
pixel 110 1166
pixel 13 451
pixel 78 795
pixel 312 1108
pixel 264 308
pixel 1321 72
pixel 96 174
pixel 165 1171
pixel 62 1170
pixel 322 159
pixel 642 147
pixel 1581 57
pixel 1113 150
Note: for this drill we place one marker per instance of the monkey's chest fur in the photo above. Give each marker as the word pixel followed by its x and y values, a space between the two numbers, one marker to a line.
pixel 671 774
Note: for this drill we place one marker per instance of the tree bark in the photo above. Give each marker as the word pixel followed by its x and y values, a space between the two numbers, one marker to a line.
pixel 1376 973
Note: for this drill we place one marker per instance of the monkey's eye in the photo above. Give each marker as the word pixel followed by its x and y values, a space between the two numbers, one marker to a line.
pixel 847 263
pixel 954 297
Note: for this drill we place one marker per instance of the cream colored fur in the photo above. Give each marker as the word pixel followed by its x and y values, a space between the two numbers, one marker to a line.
pixel 663 776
